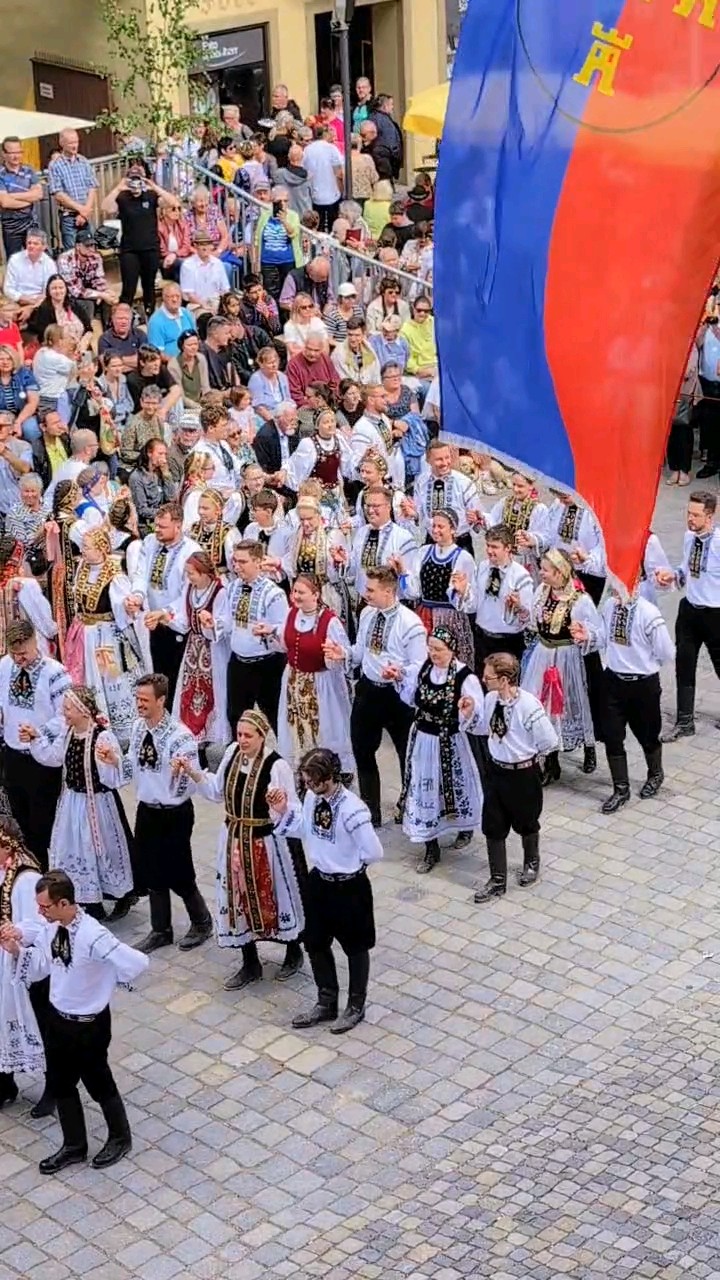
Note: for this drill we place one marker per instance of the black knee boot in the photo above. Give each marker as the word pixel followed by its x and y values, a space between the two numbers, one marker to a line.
pixel 326 1006
pixel 249 971
pixel 497 884
pixel 656 777
pixel 201 925
pixel 74 1147
pixel 119 1140
pixel 8 1088
pixel 45 1106
pixel 531 859
pixel 621 784
pixel 369 788
pixel 430 858
pixel 292 963
pixel 359 972
pixel 589 764
pixel 684 726
pixel 551 769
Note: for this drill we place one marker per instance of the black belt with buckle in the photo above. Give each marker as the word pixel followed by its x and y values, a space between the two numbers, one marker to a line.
pixel 340 875
pixel 514 764
pixel 76 1017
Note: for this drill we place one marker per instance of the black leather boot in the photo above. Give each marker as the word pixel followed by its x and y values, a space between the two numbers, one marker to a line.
pixel 249 971
pixel 430 858
pixel 531 860
pixel 497 884
pixel 8 1088
pixel 354 1012
pixel 95 909
pixel 119 1140
pixel 621 784
pixel 161 930
pixel 462 840
pixel 201 925
pixel 74 1147
pixel 45 1106
pixel 369 788
pixel 122 907
pixel 684 726
pixel 656 777
pixel 292 963
pixel 589 764
pixel 551 769
pixel 325 1008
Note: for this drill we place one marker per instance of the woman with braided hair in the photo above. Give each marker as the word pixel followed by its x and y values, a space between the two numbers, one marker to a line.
pixel 91 839
pixel 22 1008
pixel 22 597
pixel 125 540
pixel 212 533
pixel 61 554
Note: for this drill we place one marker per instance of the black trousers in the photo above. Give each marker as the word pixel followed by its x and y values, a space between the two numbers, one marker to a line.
pixel 327 214
pixel 77 1052
pixel 166 650
pixel 339 911
pixel 33 791
pixel 695 627
pixel 708 417
pixel 274 276
pixel 377 708
pixel 633 705
pixel 13 241
pixel 254 682
pixel 487 642
pixel 513 801
pixel 163 847
pixel 143 267
pixel 680 441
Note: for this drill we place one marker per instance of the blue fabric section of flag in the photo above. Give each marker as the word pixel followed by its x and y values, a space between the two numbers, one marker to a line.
pixel 512 121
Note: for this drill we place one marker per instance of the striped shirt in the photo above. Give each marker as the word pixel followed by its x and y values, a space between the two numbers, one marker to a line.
pixel 336 324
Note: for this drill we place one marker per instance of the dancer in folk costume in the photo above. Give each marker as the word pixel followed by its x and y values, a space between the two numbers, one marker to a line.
pixel 200 701
pixel 102 648
pixel 325 456
pixel 525 516
pixel 438 568
pixel 22 597
pixel 258 897
pixel 91 839
pixel 554 669
pixel 373 473
pixel 322 553
pixel 23 1009
pixel 444 694
pixel 314 696
pixel 61 555
pixel 212 532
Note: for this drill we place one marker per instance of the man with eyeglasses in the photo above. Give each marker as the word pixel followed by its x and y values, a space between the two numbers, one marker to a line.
pixel 420 335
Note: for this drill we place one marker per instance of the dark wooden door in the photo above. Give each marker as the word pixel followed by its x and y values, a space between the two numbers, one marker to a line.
pixel 67 91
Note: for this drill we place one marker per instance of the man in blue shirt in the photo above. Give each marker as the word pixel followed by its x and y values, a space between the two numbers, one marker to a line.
pixel 169 321
pixel 20 191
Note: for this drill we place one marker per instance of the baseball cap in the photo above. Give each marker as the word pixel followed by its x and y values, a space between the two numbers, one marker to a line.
pixel 347 291
pixel 85 237
pixel 189 422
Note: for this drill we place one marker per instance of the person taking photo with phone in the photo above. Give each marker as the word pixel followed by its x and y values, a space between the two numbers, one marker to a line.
pixel 277 242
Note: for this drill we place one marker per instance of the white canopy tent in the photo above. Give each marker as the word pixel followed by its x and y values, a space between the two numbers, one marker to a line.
pixel 36 124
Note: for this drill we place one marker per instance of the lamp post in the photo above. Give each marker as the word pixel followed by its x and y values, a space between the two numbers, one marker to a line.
pixel 342 17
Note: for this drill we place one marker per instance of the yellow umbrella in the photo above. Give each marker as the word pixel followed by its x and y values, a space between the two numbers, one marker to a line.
pixel 426 112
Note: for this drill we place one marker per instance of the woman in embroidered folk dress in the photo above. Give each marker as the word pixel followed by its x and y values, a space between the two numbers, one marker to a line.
pixel 61 555
pixel 314 697
pixel 125 539
pixel 311 551
pixel 324 456
pixel 525 517
pixel 91 839
pixel 212 533
pixel 442 793
pixel 440 604
pixel 21 1045
pixel 201 690
pixel 554 669
pixel 103 648
pixel 373 472
pixel 22 597
pixel 258 898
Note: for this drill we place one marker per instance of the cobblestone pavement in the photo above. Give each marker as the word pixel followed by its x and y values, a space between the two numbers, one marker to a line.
pixel 534 1093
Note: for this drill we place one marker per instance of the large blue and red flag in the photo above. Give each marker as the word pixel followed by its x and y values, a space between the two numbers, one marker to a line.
pixel 577 234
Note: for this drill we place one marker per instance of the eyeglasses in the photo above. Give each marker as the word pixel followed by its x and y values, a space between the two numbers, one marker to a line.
pixel 305 306
pixel 422 311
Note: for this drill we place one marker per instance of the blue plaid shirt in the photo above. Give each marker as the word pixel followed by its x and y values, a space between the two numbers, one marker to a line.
pixel 74 178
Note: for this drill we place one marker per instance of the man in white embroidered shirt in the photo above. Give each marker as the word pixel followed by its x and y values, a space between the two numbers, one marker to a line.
pixel 255 614
pixel 85 963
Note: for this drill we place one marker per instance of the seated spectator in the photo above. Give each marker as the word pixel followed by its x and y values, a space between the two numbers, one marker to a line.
pixel 204 217
pixel 401 399
pixel 311 365
pixel 387 303
pixel 51 449
pixel 277 242
pixel 229 159
pixel 421 197
pixel 58 308
pixel 15 461
pixel 268 386
pixel 174 233
pixel 305 319
pixel 378 152
pixel 83 450
pixel 277 440
pixel 25 521
pixel 169 320
pixel 242 425
pixel 185 437
pixel 402 227
pixel 142 426
pixel 338 315
pixel 364 173
pixel 388 256
pixel 152 372
pixel 350 228
pixel 19 393
pixel 420 335
pixel 216 349
pixel 314 278
pixel 151 484
pixel 354 358
pixel 294 177
pixel 257 308
pixel 189 369
pixel 389 346
pixel 415 251
pixel 27 273
pixel 123 338
pixel 245 346
pixel 350 405
pixel 83 271
pixel 203 278
pixel 10 335
pixel 114 387
pixel 54 368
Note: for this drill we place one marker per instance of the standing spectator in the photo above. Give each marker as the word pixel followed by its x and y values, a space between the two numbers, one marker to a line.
pixel 363 90
pixel 83 271
pixel 311 365
pixel 169 321
pixel 123 338
pixel 20 191
pixel 232 124
pixel 73 184
pixel 27 274
pixel 324 165
pixel 18 391
pixel 364 173
pixel 294 177
pixel 331 122
pixel 399 225
pixel 281 101
pixel 389 131
pixel 373 147
pixel 135 199
pixel 174 234
pixel 277 240
pixel 151 484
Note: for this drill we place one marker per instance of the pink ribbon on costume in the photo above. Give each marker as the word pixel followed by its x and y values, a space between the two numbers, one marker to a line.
pixel 551 694
pixel 75 652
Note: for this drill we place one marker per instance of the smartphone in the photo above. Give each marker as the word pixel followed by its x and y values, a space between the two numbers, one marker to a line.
pixel 278 206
